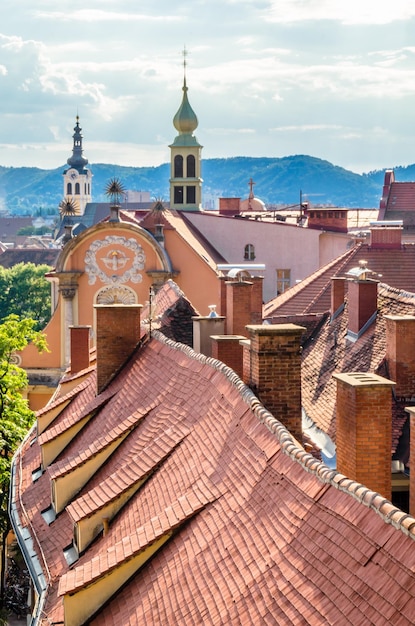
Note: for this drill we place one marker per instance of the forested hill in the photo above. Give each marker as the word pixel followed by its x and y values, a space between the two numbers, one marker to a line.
pixel 278 181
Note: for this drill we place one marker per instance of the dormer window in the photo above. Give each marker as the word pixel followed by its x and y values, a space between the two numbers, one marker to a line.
pixel 249 254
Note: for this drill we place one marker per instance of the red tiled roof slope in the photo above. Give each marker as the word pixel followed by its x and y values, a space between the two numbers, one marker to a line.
pixel 330 352
pixel 261 531
pixel 313 294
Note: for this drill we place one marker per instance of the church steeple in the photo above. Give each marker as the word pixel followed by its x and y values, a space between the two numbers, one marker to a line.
pixel 77 160
pixel 77 179
pixel 185 157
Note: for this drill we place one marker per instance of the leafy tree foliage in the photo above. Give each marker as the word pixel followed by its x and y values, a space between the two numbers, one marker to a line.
pixel 24 291
pixel 15 415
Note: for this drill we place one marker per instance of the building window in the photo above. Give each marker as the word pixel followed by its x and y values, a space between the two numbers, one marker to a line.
pixel 249 254
pixel 178 166
pixel 191 166
pixel 178 195
pixel 191 195
pixel 283 281
pixel 77 189
pixel 69 189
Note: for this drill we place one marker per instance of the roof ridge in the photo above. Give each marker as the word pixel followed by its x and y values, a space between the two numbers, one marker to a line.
pixel 290 446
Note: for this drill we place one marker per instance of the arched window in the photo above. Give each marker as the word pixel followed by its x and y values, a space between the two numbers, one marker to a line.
pixel 178 166
pixel 249 254
pixel 191 166
pixel 77 189
pixel 69 189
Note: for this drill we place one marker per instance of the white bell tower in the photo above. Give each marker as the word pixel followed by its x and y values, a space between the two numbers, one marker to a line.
pixel 77 179
pixel 185 158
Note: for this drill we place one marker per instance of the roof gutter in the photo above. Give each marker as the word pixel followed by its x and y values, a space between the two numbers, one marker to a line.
pixel 27 544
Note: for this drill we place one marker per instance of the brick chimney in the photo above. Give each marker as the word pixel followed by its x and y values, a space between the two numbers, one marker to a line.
pixel 238 306
pixel 118 333
pixel 386 235
pixel 400 354
pixel 256 299
pixel 228 349
pixel 229 206
pixel 275 371
pixel 362 306
pixel 364 430
pixel 80 346
pixel 411 411
pixel 338 285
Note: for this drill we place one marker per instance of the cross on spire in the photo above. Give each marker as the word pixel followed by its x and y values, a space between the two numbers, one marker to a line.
pixel 185 53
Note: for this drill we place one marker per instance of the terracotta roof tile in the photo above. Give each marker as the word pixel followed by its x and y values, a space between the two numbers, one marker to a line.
pixel 263 533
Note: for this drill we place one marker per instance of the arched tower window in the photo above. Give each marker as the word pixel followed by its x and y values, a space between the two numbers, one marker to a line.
pixel 77 189
pixel 178 166
pixel 191 166
pixel 69 189
pixel 249 254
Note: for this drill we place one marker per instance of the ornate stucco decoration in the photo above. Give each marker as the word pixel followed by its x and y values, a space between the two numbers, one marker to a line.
pixel 116 295
pixel 114 260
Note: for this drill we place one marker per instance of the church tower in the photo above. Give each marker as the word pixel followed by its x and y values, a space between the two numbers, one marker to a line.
pixel 185 158
pixel 77 179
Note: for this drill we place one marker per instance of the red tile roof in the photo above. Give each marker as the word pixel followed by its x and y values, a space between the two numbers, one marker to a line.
pixel 400 204
pixel 312 295
pixel 261 532
pixel 329 352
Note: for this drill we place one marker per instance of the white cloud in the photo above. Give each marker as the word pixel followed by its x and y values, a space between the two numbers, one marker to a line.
pixel 98 15
pixel 350 12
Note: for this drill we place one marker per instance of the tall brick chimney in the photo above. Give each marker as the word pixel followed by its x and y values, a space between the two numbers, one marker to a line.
pixel 338 285
pixel 362 306
pixel 400 354
pixel 80 346
pixel 275 371
pixel 364 429
pixel 118 333
pixel 411 411
pixel 238 306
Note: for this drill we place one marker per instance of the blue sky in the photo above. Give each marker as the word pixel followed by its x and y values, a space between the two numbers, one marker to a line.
pixel 328 78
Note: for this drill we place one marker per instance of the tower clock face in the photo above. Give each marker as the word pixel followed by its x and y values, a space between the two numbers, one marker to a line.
pixel 73 175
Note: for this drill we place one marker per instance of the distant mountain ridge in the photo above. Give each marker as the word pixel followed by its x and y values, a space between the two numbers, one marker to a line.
pixel 278 181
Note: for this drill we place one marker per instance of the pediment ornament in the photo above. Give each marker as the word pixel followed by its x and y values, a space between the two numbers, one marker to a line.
pixel 117 266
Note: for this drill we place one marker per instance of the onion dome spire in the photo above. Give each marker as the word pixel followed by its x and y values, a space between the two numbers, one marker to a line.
pixel 185 121
pixel 77 161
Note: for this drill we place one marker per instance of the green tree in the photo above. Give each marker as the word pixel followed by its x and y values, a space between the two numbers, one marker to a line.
pixel 15 415
pixel 24 291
